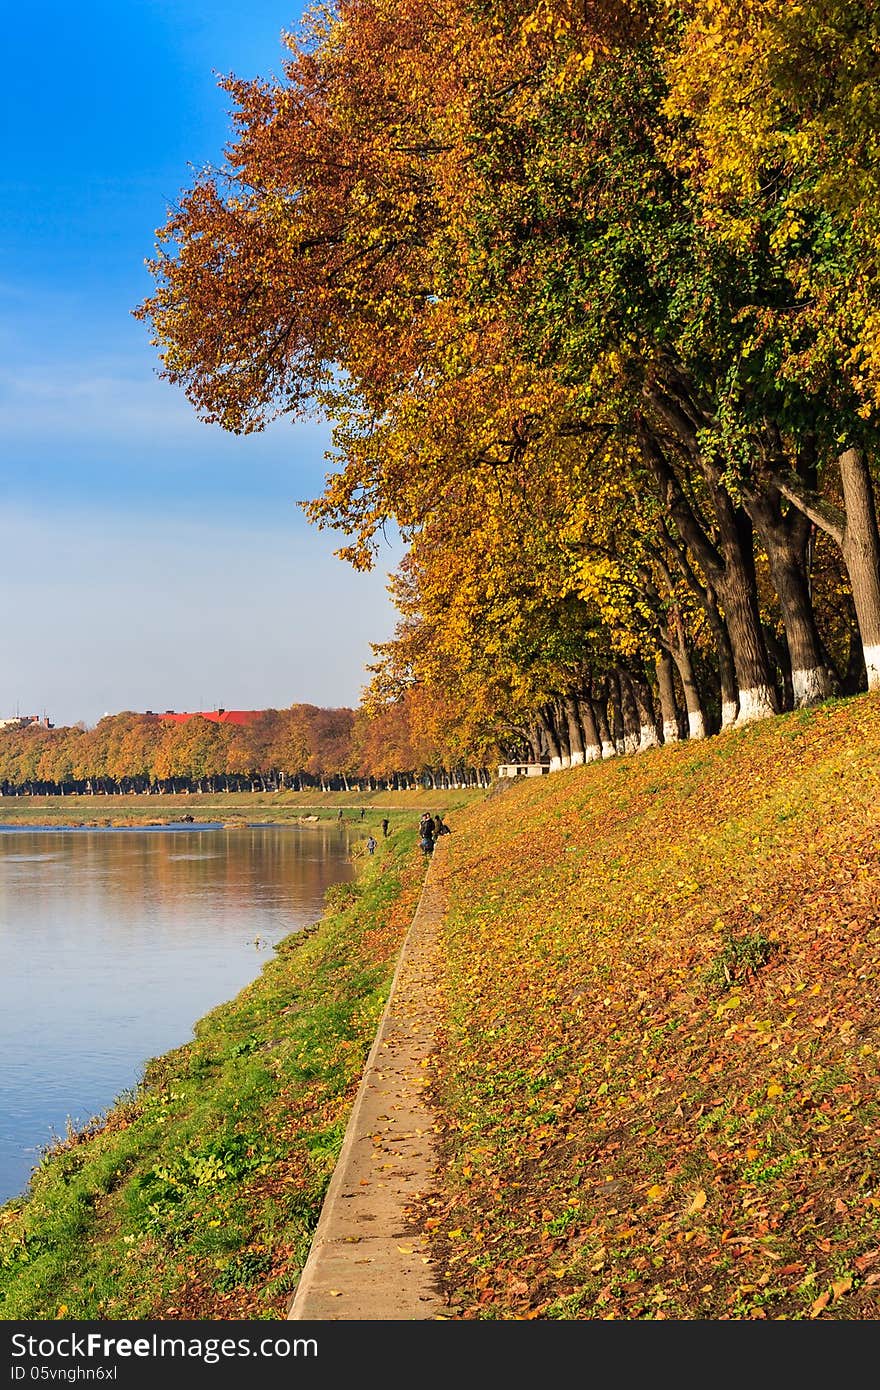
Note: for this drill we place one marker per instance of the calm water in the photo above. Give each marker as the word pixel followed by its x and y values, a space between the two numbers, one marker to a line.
pixel 114 942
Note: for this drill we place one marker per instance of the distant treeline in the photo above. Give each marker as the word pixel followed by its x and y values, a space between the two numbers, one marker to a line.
pixel 299 747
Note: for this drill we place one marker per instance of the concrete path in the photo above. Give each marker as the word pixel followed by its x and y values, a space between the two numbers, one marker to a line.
pixel 364 1262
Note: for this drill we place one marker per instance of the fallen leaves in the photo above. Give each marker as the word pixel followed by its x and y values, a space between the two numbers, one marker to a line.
pixel 830 1295
pixel 729 1142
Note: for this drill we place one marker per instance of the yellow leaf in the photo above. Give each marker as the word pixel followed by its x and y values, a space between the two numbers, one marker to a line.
pixel 774 1089
pixel 841 1286
pixel 655 1193
pixel 698 1203
pixel 821 1303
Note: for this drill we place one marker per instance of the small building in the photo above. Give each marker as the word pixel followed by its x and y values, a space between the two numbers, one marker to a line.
pixel 522 769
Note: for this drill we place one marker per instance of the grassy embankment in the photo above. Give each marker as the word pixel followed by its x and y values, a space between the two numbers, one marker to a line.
pixel 657 1085
pixel 659 1081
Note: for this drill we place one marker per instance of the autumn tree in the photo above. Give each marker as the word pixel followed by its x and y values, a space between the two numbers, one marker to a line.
pixel 780 110
pixel 487 243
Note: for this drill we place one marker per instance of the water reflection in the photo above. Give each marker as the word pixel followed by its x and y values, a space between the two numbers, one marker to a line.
pixel 113 943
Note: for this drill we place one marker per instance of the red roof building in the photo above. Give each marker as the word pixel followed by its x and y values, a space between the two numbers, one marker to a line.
pixel 216 716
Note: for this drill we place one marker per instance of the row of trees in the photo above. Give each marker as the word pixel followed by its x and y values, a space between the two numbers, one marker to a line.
pixel 591 294
pixel 303 746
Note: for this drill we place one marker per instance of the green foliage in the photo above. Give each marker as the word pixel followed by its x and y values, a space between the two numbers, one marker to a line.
pixel 740 957
pixel 243 1271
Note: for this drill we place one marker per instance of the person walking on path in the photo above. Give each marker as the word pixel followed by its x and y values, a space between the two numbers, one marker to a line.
pixel 385 829
pixel 426 834
pixel 371 845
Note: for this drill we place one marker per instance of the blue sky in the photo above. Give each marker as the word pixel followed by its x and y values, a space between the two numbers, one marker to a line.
pixel 147 560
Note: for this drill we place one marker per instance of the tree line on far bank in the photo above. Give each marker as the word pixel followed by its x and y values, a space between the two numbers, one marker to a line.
pixel 303 746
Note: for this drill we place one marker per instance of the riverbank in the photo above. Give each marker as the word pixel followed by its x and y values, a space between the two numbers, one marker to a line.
pixel 196 1196
pixel 232 808
pixel 654 1087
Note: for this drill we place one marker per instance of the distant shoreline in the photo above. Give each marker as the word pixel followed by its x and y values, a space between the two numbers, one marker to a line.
pixel 224 810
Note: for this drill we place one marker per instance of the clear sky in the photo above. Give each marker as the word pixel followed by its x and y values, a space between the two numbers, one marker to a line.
pixel 147 560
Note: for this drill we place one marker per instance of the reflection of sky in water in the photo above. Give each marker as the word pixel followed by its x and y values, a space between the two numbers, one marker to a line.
pixel 112 945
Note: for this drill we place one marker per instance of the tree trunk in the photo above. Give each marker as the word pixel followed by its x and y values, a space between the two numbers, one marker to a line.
pixel 777 650
pixel 575 737
pixel 861 552
pixel 739 597
pixel 666 691
pixel 855 530
pixel 600 702
pixel 533 734
pixel 727 560
pixel 549 732
pixel 649 724
pixel 592 739
pixel 726 667
pixel 560 722
pixel 785 540
pixel 630 713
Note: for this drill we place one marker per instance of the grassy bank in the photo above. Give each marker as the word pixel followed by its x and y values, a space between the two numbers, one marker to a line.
pixel 401 807
pixel 196 1196
pixel 659 1082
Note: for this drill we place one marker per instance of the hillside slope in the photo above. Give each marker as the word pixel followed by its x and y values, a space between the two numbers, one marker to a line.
pixel 658 1085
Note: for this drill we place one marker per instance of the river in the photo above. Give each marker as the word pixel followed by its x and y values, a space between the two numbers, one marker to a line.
pixel 114 942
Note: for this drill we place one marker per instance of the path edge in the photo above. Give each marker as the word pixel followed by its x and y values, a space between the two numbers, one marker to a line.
pixel 340 1177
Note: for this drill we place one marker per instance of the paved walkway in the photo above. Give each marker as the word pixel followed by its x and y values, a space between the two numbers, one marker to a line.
pixel 364 1262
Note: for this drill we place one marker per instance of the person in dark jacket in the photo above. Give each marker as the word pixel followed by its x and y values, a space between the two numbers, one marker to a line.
pixel 426 833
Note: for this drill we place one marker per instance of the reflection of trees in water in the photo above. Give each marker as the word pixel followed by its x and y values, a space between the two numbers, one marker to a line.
pixel 273 867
